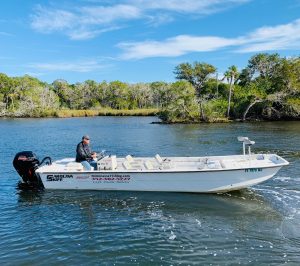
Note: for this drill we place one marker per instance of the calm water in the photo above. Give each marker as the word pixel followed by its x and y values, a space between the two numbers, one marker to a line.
pixel 254 226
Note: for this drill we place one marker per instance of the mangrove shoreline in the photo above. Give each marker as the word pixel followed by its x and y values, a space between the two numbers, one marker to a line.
pixel 267 89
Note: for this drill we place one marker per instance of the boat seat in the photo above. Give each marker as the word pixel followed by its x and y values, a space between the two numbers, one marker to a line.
pixel 213 164
pixel 260 157
pixel 148 165
pixel 135 164
pixel 201 165
pixel 210 164
pixel 162 163
pixel 114 163
pixel 74 166
pixel 107 163
pixel 127 165
pixel 158 159
pixel 222 164
pixel 129 158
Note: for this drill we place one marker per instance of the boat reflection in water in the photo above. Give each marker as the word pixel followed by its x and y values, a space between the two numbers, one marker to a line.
pixel 231 204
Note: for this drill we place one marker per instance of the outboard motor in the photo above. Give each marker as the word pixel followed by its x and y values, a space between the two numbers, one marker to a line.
pixel 26 163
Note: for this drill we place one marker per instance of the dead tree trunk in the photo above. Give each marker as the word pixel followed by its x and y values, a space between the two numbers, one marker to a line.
pixel 202 113
pixel 249 107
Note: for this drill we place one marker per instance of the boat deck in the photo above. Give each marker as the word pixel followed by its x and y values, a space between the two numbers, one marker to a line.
pixel 169 164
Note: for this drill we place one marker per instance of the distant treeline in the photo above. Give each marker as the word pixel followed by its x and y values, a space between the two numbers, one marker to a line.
pixel 268 88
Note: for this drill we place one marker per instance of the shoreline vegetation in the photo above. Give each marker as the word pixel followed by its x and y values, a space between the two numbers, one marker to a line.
pixel 267 89
pixel 105 112
pixel 67 113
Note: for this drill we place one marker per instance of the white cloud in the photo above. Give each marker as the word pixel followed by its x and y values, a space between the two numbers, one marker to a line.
pixel 81 66
pixel 92 19
pixel 48 20
pixel 159 19
pixel 175 46
pixel 83 34
pixel 34 74
pixel 279 37
pixel 109 14
pixel 83 22
pixel 188 6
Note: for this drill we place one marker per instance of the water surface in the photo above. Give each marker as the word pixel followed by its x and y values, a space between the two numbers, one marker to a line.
pixel 253 226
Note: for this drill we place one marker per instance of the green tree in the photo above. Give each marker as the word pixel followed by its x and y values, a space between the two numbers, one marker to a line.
pixel 181 106
pixel 197 74
pixel 140 95
pixel 118 96
pixel 254 94
pixel 64 91
pixel 7 90
pixel 261 81
pixel 160 92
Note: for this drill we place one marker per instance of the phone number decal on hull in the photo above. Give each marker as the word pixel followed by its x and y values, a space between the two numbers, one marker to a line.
pixel 111 178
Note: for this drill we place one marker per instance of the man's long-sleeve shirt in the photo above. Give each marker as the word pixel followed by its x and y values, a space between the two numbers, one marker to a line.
pixel 83 152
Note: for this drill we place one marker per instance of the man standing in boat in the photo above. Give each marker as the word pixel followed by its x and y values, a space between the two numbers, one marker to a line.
pixel 84 154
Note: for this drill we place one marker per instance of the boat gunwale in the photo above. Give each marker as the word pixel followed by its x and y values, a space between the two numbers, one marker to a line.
pixel 167 171
pixel 161 171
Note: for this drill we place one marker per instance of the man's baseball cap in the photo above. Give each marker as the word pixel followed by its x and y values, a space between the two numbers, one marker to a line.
pixel 86 137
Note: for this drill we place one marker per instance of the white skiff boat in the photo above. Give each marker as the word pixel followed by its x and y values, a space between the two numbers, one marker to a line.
pixel 211 174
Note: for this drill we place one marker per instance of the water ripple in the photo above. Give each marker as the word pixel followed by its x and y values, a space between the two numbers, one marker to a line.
pixel 253 226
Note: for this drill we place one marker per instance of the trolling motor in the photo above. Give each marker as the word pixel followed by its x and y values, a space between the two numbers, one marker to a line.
pixel 26 163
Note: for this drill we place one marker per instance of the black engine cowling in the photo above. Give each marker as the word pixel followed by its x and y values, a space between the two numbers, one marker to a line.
pixel 26 163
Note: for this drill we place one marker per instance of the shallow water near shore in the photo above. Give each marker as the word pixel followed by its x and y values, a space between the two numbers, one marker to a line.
pixel 254 226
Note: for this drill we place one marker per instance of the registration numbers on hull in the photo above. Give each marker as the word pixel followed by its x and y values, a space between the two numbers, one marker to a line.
pixel 253 170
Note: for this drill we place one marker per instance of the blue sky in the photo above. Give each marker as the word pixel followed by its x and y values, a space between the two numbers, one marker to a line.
pixel 140 40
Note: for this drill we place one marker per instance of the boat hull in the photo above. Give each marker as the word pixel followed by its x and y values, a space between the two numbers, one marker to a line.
pixel 189 181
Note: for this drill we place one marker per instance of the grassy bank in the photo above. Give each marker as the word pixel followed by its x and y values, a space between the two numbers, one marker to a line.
pixel 105 112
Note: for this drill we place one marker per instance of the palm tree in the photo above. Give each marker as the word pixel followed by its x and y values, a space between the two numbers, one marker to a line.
pixel 231 75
